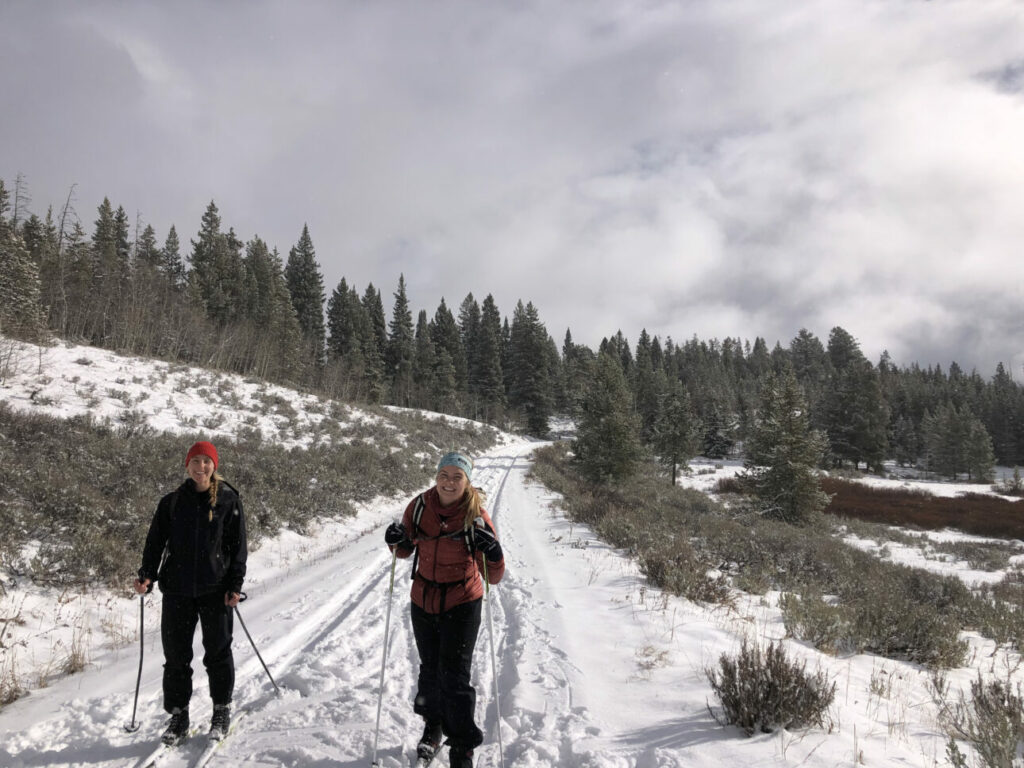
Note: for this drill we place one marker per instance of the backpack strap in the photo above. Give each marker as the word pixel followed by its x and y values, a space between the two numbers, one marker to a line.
pixel 417 515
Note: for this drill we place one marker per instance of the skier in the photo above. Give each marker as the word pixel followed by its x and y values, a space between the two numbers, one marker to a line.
pixel 196 548
pixel 451 535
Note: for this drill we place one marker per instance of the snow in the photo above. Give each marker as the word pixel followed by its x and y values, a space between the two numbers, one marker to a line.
pixel 594 667
pixel 68 380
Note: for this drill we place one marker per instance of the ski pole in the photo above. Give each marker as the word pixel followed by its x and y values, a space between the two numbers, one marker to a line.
pixel 132 727
pixel 242 622
pixel 494 666
pixel 384 659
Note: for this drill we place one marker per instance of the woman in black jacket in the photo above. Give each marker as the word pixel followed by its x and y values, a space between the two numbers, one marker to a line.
pixel 196 549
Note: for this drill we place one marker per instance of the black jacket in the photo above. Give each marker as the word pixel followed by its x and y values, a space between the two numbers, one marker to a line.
pixel 191 552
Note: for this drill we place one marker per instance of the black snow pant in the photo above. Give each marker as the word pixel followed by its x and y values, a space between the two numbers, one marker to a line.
pixel 445 642
pixel 177 628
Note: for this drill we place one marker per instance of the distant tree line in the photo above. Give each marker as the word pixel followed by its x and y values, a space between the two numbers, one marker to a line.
pixel 225 303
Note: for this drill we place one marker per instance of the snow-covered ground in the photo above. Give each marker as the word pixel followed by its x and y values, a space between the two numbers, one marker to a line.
pixel 43 630
pixel 593 667
pixel 68 380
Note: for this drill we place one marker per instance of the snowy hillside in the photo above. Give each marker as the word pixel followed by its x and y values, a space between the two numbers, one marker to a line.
pixel 593 667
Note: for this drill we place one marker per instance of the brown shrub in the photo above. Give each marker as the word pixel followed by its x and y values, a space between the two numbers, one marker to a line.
pixel 975 513
pixel 765 690
pixel 731 485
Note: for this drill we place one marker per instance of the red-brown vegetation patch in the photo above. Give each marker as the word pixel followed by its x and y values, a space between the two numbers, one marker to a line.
pixel 976 513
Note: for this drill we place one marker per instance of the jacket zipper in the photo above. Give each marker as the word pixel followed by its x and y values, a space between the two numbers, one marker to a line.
pixel 195 552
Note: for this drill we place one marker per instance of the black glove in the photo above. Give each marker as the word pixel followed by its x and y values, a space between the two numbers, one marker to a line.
pixel 484 541
pixel 395 536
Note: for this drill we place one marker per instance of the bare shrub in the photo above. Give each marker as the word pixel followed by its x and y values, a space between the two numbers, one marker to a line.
pixel 134 423
pixel 991 721
pixel 675 567
pixel 895 618
pixel 810 618
pixel 765 691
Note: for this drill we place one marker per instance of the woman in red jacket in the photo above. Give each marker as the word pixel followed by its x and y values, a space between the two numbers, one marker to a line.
pixel 451 536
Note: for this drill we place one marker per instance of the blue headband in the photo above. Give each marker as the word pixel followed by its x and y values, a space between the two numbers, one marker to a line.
pixel 459 461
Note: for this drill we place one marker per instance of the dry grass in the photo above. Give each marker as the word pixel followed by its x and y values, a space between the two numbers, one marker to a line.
pixel 10 687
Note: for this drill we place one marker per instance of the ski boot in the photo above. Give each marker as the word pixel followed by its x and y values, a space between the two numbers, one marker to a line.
pixel 460 757
pixel 220 722
pixel 177 728
pixel 430 741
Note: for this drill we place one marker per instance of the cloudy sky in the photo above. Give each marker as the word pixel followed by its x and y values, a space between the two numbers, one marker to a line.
pixel 711 167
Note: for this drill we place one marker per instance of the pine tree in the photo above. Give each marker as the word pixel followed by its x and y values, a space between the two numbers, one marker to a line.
pixel 1001 414
pixel 122 248
pixel 759 363
pixel 171 265
pixel 375 345
pixel 856 415
pixel 21 312
pixel 423 361
pixel 443 395
pixel 577 365
pixel 33 235
pixel 783 453
pixel 105 288
pixel 979 455
pixel 717 440
pixel 277 336
pixel 843 349
pixel 676 436
pixel 46 253
pixel 78 305
pixel 813 370
pixel 527 373
pixel 956 442
pixel 905 442
pixel 204 277
pixel 19 209
pixel 446 335
pixel 607 443
pixel 401 348
pixel 649 389
pixel 147 254
pixel 306 286
pixel 490 382
pixel 343 338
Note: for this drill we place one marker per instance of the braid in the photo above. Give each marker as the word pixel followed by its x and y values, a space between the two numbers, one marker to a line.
pixel 214 488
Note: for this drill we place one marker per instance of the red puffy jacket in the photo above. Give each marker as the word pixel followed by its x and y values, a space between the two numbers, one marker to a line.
pixel 447 573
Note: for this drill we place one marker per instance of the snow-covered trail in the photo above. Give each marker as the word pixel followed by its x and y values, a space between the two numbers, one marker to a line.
pixel 594 668
pixel 320 628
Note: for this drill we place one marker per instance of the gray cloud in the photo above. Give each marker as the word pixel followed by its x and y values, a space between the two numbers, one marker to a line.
pixel 725 169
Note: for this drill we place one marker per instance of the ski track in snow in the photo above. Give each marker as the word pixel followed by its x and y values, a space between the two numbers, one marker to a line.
pixel 321 633
pixel 595 669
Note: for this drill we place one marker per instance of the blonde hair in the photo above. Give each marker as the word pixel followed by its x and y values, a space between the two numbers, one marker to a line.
pixel 473 500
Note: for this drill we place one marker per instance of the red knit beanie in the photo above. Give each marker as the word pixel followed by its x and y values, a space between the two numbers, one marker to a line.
pixel 202 448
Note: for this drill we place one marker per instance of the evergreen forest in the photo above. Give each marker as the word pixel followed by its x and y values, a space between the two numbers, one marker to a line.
pixel 219 301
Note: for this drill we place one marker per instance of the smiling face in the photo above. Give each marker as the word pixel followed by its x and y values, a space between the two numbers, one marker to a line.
pixel 451 485
pixel 200 469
